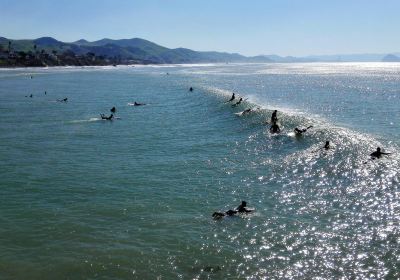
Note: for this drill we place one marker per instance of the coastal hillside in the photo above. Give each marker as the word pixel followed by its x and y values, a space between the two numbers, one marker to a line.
pixel 47 51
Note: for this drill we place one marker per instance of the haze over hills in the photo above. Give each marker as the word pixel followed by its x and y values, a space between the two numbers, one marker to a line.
pixel 49 51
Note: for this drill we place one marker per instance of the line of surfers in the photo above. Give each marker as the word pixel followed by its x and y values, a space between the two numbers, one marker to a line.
pixel 274 128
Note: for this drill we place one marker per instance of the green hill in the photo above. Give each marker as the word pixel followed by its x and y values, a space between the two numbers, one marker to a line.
pixel 107 51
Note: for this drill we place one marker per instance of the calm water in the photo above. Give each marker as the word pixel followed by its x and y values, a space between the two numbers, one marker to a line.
pixel 82 198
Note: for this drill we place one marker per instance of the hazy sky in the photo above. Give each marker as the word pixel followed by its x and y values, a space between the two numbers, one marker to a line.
pixel 250 27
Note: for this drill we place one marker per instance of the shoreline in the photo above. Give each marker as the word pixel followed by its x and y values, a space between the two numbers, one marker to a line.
pixel 191 64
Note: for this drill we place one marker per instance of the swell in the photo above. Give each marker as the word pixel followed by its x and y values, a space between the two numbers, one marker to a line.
pixel 348 145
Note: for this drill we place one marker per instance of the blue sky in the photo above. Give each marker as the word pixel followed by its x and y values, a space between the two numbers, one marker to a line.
pixel 250 27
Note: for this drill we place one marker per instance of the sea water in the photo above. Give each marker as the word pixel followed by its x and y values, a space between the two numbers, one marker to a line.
pixel 132 198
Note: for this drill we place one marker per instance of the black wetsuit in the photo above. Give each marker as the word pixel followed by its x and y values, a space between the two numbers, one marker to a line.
pixel 237 103
pixel 274 128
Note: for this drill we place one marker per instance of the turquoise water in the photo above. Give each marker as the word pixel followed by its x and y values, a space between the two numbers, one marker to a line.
pixel 82 198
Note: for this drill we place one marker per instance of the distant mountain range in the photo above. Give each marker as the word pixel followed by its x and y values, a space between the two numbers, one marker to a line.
pixel 49 51
pixel 124 51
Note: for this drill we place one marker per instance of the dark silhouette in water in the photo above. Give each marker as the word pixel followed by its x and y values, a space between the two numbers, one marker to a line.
pixel 63 100
pixel 300 131
pixel 191 89
pixel 378 153
pixel 103 117
pixel 113 110
pixel 240 209
pixel 246 111
pixel 274 118
pixel 275 128
pixel 138 104
pixel 237 103
pixel 327 145
pixel 45 92
pixel 232 98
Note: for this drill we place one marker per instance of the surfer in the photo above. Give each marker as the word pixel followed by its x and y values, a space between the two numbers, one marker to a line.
pixel 300 131
pixel 275 128
pixel 240 209
pixel 191 89
pixel 327 145
pixel 219 215
pixel 246 111
pixel 63 100
pixel 138 104
pixel 237 103
pixel 232 98
pixel 103 117
pixel 378 153
pixel 45 93
pixel 113 110
pixel 274 118
pixel 31 95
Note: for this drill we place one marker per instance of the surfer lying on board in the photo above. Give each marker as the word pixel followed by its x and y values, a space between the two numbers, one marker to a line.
pixel 300 131
pixel 138 104
pixel 378 153
pixel 247 111
pixel 103 117
pixel 275 128
pixel 63 100
pixel 232 98
pixel 237 103
pixel 240 209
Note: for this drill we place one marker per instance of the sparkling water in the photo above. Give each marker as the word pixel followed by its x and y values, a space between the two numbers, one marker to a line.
pixel 132 198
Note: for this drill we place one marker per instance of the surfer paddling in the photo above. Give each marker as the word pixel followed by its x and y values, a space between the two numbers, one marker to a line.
pixel 63 100
pixel 237 103
pixel 138 104
pixel 241 209
pixel 300 131
pixel 248 111
pixel 103 117
pixel 378 154
pixel 113 110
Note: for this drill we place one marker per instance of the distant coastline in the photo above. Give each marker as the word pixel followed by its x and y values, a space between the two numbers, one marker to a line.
pixel 47 52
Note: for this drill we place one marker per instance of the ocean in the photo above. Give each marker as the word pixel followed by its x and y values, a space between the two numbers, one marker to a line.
pixel 132 198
